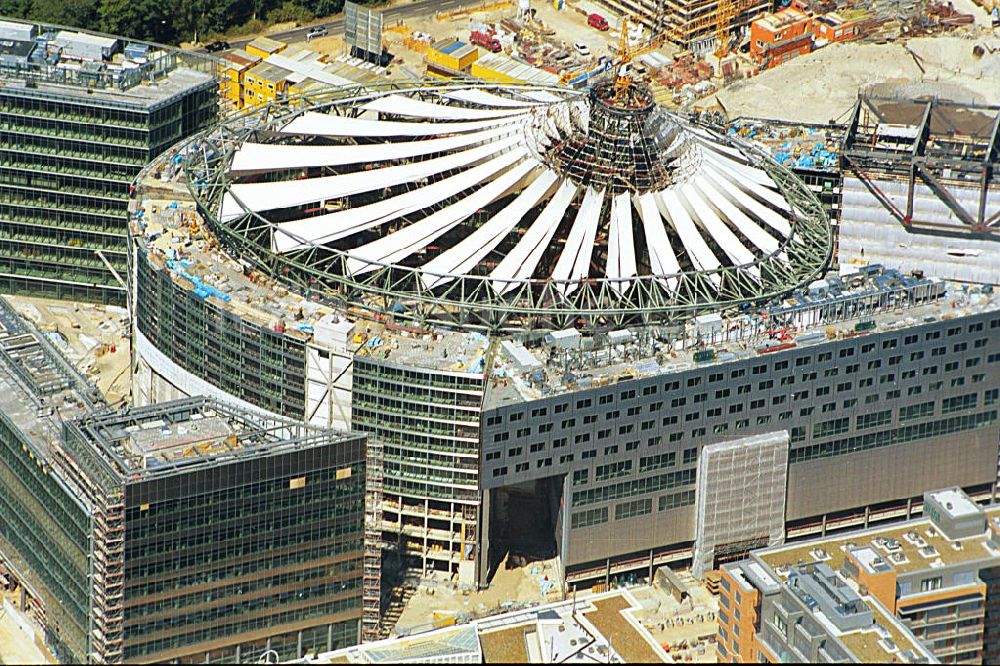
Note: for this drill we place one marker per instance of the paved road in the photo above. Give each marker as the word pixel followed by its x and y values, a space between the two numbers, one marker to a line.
pixel 389 15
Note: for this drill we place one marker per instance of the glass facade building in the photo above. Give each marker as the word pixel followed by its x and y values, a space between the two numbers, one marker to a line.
pixel 427 421
pixel 69 151
pixel 187 531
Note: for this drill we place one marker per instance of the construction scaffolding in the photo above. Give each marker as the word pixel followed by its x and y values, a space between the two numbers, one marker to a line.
pixel 371 596
pixel 740 499
pixel 691 24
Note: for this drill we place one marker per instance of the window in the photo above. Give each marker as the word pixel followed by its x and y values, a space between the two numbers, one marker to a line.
pixel 522 467
pixel 500 471
pixel 690 456
pixel 592 453
pixel 610 450
pixel 928 584
pixel 580 477
pixel 493 455
pixel 516 451
pixel 639 507
pixel 589 517
pixel 536 447
pixel 613 470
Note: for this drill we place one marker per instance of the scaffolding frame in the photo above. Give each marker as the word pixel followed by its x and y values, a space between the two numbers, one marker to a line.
pixel 926 159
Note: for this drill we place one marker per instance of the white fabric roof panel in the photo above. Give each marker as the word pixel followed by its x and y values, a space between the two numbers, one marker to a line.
pixel 265 156
pixel 540 96
pixel 574 260
pixel 732 190
pixel 621 244
pixel 521 261
pixel 462 258
pixel 698 251
pixel 661 255
pixel 717 229
pixel 324 124
pixel 749 228
pixel 739 170
pixel 484 98
pixel 401 105
pixel 288 193
pixel 415 237
pixel 326 228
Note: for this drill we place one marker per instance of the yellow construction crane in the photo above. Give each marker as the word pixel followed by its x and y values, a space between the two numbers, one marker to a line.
pixel 727 11
pixel 627 53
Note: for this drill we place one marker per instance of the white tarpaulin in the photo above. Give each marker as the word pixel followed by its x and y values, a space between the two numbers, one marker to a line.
pixel 324 124
pixel 717 229
pixel 288 193
pixel 417 236
pixel 747 203
pixel 270 157
pixel 520 262
pixel 326 228
pixel 483 98
pixel 698 251
pixel 462 258
pixel 408 106
pixel 661 255
pixel 753 231
pixel 574 260
pixel 621 245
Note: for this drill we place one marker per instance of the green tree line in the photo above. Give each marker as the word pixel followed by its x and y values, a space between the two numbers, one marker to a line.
pixel 170 21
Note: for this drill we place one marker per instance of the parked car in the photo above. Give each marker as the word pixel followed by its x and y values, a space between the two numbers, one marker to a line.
pixel 213 47
pixel 597 21
pixel 582 49
pixel 318 31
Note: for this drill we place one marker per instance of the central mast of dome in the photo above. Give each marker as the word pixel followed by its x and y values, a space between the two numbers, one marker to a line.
pixel 623 148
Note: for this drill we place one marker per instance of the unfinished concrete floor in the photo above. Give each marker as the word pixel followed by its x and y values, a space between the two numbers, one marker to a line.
pixel 93 337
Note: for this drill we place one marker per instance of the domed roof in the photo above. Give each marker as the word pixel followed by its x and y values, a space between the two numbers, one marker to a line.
pixel 521 189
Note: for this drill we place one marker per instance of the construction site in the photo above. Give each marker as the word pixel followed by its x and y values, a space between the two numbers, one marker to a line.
pixel 509 255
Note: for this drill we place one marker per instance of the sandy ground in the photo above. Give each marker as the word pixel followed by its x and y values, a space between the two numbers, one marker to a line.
pixel 17 647
pixel 85 333
pixel 795 91
pixel 515 585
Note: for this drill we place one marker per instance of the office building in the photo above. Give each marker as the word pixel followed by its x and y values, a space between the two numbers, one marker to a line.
pixel 80 115
pixel 188 531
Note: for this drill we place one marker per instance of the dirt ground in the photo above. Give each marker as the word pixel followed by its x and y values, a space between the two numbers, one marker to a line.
pixel 794 91
pixel 515 585
pixel 16 646
pixel 86 334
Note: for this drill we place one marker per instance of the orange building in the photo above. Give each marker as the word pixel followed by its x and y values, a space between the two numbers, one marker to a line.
pixel 781 36
pixel 918 591
pixel 833 27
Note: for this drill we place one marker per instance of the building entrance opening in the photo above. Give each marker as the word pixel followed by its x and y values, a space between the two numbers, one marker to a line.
pixel 526 521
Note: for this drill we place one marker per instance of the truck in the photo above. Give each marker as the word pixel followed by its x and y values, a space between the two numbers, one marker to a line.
pixel 597 21
pixel 486 40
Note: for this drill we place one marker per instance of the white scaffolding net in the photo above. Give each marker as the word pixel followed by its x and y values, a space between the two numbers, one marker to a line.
pixel 741 497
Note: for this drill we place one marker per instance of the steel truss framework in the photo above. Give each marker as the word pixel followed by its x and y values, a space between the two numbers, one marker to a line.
pixel 939 160
pixel 322 272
